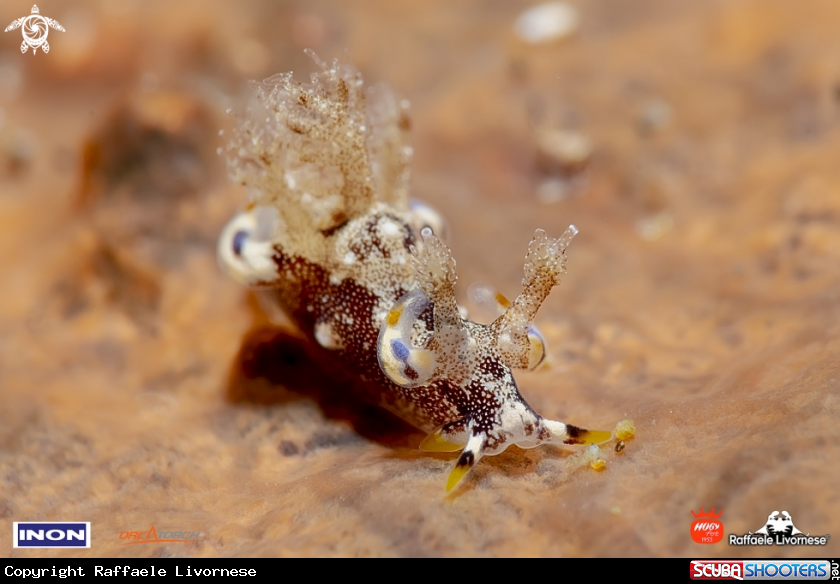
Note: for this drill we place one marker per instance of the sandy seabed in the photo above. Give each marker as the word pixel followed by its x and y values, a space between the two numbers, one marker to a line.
pixel 140 387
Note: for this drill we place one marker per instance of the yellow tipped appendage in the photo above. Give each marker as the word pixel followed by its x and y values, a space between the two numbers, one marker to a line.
pixel 469 456
pixel 594 437
pixel 456 475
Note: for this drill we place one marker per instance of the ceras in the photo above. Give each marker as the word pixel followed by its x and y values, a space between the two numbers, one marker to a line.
pixel 331 238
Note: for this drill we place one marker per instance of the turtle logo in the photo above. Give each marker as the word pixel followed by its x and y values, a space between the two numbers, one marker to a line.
pixel 35 30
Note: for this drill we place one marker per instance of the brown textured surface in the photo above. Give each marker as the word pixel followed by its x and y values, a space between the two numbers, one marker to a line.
pixel 139 386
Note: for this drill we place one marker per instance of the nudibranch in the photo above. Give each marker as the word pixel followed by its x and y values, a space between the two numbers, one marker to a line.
pixel 330 237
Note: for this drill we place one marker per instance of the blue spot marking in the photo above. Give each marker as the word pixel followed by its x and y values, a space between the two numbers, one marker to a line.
pixel 238 241
pixel 400 350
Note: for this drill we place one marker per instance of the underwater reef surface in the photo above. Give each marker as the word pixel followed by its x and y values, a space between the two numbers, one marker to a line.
pixel 694 147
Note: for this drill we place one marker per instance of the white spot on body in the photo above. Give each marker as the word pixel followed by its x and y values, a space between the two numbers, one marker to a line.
pixel 390 229
pixel 326 337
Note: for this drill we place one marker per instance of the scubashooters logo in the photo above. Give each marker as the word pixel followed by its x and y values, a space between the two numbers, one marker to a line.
pixel 779 530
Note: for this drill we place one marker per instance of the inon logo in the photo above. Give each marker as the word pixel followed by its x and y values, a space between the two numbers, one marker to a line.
pixel 707 527
pixel 42 534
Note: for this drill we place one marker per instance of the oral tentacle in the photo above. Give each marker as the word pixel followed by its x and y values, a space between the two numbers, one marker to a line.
pixel 469 456
pixel 562 433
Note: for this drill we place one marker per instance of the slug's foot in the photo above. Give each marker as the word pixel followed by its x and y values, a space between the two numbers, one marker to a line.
pixel 451 437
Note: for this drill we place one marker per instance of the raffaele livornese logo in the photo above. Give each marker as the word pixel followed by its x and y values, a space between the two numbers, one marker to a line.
pixel 35 30
pixel 779 530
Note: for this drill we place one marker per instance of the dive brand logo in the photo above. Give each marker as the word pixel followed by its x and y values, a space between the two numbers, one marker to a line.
pixel 35 30
pixel 779 530
pixel 59 534
pixel 151 536
pixel 794 570
pixel 707 527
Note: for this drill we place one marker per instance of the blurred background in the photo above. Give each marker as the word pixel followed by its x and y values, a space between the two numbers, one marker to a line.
pixel 693 144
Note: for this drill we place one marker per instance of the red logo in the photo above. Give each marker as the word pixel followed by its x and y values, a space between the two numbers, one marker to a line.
pixel 151 536
pixel 707 527
pixel 716 570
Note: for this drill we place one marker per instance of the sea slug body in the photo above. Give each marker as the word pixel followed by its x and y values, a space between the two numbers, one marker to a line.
pixel 331 237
